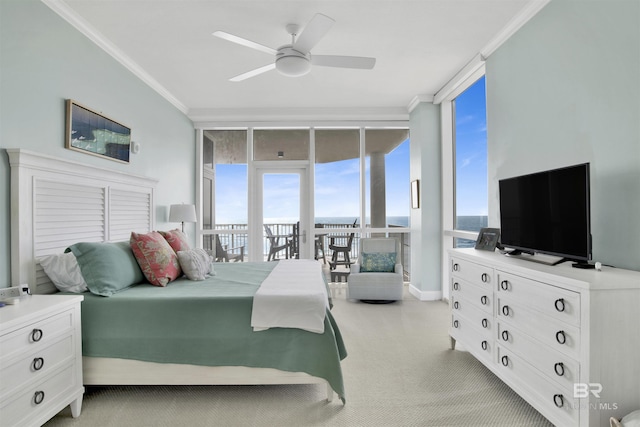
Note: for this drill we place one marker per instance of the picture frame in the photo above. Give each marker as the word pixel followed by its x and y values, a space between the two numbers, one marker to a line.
pixel 91 132
pixel 488 239
pixel 415 194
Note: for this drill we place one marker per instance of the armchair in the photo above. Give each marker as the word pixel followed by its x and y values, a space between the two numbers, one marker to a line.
pixel 377 276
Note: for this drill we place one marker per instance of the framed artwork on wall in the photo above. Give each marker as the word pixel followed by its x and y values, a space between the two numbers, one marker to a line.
pixel 94 133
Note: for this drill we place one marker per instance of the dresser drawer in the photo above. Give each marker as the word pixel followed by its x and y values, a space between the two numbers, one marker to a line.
pixel 557 335
pixel 556 366
pixel 471 272
pixel 549 398
pixel 35 335
pixel 36 364
pixel 478 317
pixel 553 301
pixel 477 341
pixel 482 297
pixel 39 398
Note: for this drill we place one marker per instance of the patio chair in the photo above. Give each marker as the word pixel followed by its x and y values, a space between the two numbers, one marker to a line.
pixel 225 254
pixel 275 246
pixel 377 276
pixel 343 249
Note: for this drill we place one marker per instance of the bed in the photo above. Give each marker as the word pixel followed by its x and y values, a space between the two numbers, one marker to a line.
pixel 189 332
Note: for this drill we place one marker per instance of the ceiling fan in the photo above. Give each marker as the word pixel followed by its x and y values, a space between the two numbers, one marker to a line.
pixel 295 59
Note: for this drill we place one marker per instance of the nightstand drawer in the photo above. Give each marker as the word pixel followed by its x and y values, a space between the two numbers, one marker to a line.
pixel 31 366
pixel 38 398
pixel 35 335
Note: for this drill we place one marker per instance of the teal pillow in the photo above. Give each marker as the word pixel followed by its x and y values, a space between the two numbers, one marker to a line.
pixel 107 267
pixel 378 262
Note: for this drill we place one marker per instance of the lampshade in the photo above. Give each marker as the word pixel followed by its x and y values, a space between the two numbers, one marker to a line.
pixel 182 213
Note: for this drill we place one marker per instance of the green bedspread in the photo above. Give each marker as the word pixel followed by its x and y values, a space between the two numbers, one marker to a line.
pixel 206 323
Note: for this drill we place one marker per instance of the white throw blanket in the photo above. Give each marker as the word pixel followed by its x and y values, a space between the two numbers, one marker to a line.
pixel 294 295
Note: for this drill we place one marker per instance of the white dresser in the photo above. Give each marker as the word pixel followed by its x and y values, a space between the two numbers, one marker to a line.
pixel 40 359
pixel 567 340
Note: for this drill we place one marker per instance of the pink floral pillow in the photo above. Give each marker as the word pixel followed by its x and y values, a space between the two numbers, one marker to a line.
pixel 157 260
pixel 177 239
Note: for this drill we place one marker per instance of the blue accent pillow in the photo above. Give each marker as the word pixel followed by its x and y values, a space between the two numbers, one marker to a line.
pixel 107 267
pixel 378 262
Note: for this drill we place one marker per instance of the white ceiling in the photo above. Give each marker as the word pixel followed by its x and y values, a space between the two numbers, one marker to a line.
pixel 419 46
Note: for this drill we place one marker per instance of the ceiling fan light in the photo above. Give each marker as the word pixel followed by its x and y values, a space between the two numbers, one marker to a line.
pixel 293 66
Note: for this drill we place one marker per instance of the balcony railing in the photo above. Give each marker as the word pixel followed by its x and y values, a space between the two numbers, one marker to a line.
pixel 235 240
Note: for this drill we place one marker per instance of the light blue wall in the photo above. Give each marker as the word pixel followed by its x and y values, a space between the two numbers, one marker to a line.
pixel 565 89
pixel 43 61
pixel 426 222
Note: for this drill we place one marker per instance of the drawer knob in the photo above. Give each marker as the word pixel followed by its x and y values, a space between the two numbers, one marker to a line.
pixel 484 300
pixel 504 285
pixel 560 304
pixel 506 310
pixel 561 337
pixel 559 368
pixel 37 364
pixel 505 361
pixel 505 335
pixel 36 335
pixel 484 277
pixel 485 345
pixel 456 267
pixel 455 324
pixel 38 397
pixel 456 305
pixel 485 323
pixel 456 286
pixel 558 399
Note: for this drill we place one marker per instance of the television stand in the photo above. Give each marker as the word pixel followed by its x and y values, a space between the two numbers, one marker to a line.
pixel 536 257
pixel 583 264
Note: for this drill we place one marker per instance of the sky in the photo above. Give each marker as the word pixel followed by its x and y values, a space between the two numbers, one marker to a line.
pixel 471 151
pixel 337 183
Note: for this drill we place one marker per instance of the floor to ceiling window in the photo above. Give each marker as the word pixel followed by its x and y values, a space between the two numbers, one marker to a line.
pixel 470 139
pixel 278 175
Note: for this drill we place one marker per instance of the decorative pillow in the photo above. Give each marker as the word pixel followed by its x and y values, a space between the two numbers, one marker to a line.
pixel 378 262
pixel 64 272
pixel 176 239
pixel 158 261
pixel 195 263
pixel 107 267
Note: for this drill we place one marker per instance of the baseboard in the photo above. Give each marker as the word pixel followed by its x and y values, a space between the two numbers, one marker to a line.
pixel 425 295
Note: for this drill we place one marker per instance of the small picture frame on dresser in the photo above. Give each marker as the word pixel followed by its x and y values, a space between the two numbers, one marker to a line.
pixel 488 239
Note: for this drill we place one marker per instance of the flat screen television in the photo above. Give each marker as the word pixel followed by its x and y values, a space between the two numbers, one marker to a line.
pixel 549 213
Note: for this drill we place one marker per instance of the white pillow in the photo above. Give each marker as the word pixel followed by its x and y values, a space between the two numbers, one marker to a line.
pixel 195 263
pixel 64 272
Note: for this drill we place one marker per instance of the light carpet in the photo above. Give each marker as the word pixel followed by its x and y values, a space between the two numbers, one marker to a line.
pixel 400 371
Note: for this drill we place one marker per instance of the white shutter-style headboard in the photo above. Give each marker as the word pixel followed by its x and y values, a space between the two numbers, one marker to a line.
pixel 56 203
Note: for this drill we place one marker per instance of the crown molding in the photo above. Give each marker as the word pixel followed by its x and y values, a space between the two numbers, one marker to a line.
pixel 475 68
pixel 419 99
pixel 303 116
pixel 79 23
pixel 528 12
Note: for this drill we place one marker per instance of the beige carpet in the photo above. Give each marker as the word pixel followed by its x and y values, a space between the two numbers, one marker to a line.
pixel 399 372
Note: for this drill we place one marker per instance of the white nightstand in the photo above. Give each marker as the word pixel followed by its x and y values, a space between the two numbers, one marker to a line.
pixel 40 359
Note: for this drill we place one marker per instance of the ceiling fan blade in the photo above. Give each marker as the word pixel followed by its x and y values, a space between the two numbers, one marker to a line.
pixel 245 42
pixel 359 62
pixel 312 33
pixel 253 73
